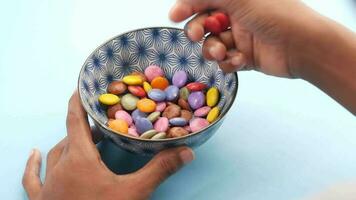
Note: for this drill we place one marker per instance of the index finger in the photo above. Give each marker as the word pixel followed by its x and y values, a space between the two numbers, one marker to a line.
pixel 78 129
pixel 183 9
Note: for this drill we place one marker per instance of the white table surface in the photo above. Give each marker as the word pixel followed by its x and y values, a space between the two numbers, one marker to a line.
pixel 283 139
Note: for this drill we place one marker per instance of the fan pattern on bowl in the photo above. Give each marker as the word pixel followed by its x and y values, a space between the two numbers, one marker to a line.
pixel 168 48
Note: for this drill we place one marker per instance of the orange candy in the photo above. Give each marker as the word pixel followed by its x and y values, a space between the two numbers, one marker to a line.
pixel 159 83
pixel 146 105
pixel 119 125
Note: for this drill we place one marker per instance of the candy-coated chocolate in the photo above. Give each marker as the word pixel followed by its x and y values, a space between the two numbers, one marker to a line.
pixel 109 99
pixel 154 116
pixel 196 100
pixel 129 101
pixel 143 125
pixel 161 106
pixel 172 92
pixel 112 110
pixel 148 134
pixel 177 132
pixel 179 78
pixel 213 114
pixel 147 87
pixel 159 136
pixel 132 80
pixel 157 95
pixel 159 83
pixel 178 121
pixel 196 86
pixel 171 111
pixel 202 112
pixel 121 114
pixel 118 125
pixel 146 105
pixel 152 72
pixel 212 96
pixel 117 88
pixel 162 124
pixel 197 124
pixel 137 114
pixel 137 91
pixel 184 93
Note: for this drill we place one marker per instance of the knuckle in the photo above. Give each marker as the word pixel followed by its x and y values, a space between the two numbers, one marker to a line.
pixel 169 165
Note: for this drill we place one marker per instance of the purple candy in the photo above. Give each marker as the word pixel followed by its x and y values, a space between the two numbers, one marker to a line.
pixel 196 100
pixel 179 78
pixel 157 95
pixel 137 114
pixel 178 121
pixel 143 125
pixel 172 92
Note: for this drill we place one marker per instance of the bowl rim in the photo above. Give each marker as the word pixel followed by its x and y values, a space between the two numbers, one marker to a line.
pixel 105 127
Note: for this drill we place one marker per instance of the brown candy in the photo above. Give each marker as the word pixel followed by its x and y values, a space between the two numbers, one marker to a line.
pixel 177 132
pixel 184 104
pixel 117 87
pixel 112 110
pixel 186 114
pixel 171 111
pixel 140 74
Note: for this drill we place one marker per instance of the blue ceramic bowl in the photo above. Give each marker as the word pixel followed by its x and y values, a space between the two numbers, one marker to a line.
pixel 168 48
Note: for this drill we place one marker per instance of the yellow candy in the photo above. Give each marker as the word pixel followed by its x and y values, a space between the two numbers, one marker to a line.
pixel 213 114
pixel 109 99
pixel 147 87
pixel 119 125
pixel 212 96
pixel 132 80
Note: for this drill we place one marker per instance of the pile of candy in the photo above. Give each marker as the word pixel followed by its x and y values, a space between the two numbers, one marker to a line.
pixel 147 106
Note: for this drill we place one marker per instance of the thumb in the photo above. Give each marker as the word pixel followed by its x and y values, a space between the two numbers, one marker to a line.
pixel 163 165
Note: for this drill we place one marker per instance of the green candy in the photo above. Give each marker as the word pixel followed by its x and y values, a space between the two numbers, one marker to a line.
pixel 148 134
pixel 154 116
pixel 184 93
pixel 159 136
pixel 129 101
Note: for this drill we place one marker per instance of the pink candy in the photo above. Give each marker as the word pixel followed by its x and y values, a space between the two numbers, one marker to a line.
pixel 161 106
pixel 121 114
pixel 187 128
pixel 161 125
pixel 198 124
pixel 202 112
pixel 133 132
pixel 152 72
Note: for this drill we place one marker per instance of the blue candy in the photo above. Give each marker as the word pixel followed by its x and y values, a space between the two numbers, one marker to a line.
pixel 178 121
pixel 143 125
pixel 172 93
pixel 157 95
pixel 137 114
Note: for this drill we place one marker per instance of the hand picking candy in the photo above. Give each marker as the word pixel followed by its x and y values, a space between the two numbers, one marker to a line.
pixel 217 23
pixel 152 107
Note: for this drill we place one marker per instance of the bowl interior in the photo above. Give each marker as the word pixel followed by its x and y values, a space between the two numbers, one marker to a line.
pixel 168 48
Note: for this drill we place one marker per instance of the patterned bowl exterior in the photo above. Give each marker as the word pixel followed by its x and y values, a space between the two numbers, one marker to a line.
pixel 168 48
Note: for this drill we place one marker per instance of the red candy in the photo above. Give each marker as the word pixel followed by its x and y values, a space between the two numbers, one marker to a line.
pixel 137 91
pixel 217 23
pixel 196 86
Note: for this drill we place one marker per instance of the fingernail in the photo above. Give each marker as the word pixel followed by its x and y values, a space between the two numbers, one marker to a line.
pixel 32 152
pixel 187 156
pixel 236 61
pixel 213 51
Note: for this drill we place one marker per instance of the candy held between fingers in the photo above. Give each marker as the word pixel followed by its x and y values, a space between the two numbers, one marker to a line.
pixel 217 23
pixel 143 125
pixel 109 99
pixel 146 105
pixel 153 71
pixel 213 114
pixel 198 124
pixel 129 101
pixel 180 78
pixel 117 88
pixel 121 114
pixel 119 125
pixel 212 96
